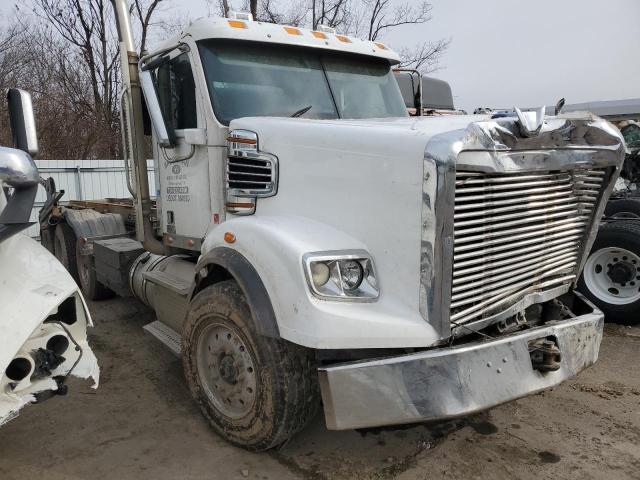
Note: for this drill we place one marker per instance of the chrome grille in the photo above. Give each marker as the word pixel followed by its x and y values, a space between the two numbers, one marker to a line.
pixel 515 234
pixel 251 176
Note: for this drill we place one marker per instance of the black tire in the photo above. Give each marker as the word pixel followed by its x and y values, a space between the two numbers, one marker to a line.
pixel 87 279
pixel 623 208
pixel 621 234
pixel 65 248
pixel 286 387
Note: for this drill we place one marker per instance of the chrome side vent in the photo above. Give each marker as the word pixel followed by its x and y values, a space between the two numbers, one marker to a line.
pixel 516 234
pixel 248 175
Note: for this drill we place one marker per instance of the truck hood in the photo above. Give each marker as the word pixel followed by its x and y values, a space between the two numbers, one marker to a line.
pixel 363 180
pixel 39 301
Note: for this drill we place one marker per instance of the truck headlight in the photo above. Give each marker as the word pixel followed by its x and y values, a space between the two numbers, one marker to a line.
pixel 341 275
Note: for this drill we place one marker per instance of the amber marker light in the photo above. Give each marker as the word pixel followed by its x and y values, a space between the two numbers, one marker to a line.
pixel 229 237
pixel 237 24
pixel 343 38
pixel 248 141
pixel 292 31
pixel 319 35
pixel 381 46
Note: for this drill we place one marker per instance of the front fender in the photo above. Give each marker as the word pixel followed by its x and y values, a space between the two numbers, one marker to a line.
pixel 274 247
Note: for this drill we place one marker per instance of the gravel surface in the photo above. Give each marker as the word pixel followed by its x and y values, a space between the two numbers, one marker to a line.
pixel 142 424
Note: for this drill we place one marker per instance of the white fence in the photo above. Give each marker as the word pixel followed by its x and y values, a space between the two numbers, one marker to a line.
pixel 84 180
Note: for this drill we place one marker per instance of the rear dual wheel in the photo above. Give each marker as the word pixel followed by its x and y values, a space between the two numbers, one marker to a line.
pixel 64 247
pixel 87 278
pixel 81 267
pixel 255 391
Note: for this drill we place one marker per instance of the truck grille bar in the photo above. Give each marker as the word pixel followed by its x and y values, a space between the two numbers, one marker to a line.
pixel 516 234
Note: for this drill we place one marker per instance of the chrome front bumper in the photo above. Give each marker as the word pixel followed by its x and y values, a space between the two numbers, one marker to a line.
pixel 454 381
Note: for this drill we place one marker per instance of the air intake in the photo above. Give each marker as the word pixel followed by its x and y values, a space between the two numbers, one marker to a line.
pixel 248 176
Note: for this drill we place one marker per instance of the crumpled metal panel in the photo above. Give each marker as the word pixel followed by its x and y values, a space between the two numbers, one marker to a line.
pixel 33 285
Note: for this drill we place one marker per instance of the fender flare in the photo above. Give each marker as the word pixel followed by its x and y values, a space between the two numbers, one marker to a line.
pixel 88 223
pixel 241 270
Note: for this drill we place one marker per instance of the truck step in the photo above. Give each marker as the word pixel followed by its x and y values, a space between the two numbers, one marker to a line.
pixel 166 335
pixel 169 281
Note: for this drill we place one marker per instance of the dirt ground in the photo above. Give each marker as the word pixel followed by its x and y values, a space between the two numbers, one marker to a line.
pixel 142 424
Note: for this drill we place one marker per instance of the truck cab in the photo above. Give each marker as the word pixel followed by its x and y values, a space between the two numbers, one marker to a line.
pixel 309 240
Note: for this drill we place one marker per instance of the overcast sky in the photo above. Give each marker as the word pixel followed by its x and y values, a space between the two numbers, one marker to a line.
pixel 526 53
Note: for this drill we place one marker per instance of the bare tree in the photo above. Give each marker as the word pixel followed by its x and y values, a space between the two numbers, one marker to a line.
pixel 331 13
pixel 384 15
pixel 424 57
pixel 84 71
pixel 144 13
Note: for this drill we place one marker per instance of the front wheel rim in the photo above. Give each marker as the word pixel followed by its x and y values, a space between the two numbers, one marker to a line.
pixel 226 370
pixel 612 275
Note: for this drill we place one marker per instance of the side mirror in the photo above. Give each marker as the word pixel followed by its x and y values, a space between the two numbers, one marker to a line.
pixel 17 170
pixel 164 133
pixel 23 123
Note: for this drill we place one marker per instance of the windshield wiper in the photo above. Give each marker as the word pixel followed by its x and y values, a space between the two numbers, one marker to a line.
pixel 302 111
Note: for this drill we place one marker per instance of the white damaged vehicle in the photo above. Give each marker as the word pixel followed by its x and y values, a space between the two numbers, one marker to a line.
pixel 44 318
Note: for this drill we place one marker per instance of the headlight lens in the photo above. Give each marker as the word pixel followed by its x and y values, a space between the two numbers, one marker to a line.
pixel 351 274
pixel 343 275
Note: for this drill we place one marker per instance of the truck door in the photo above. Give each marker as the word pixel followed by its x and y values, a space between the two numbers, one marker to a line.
pixel 184 207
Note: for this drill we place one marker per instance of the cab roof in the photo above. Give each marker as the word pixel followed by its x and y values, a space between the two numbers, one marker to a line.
pixel 325 39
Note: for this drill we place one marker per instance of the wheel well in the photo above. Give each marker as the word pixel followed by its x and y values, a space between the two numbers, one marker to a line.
pixel 215 274
pixel 224 263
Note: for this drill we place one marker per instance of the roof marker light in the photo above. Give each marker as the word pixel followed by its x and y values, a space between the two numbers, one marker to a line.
pixel 237 24
pixel 381 46
pixel 343 38
pixel 292 31
pixel 319 35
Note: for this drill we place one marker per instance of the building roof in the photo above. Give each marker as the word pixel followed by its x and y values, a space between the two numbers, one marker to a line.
pixel 609 109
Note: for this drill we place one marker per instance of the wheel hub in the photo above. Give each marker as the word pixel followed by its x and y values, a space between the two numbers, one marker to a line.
pixel 621 272
pixel 226 370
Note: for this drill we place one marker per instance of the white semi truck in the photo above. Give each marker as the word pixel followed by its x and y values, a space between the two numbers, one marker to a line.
pixel 43 316
pixel 310 243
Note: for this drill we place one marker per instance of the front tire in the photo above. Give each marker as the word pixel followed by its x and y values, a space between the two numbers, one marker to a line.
pixel 611 275
pixel 256 391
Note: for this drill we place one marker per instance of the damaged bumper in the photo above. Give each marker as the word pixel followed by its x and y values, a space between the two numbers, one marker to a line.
pixel 43 327
pixel 450 382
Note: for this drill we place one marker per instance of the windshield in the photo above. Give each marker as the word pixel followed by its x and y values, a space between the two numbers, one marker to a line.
pixel 248 79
